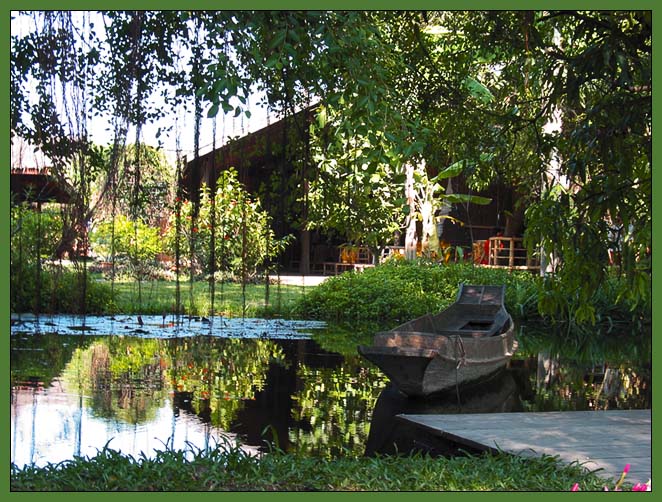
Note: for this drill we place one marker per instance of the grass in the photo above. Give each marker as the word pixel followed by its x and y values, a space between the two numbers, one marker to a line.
pixel 230 299
pixel 228 468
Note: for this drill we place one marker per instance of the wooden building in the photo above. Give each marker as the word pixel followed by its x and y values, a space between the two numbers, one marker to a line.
pixel 36 185
pixel 273 164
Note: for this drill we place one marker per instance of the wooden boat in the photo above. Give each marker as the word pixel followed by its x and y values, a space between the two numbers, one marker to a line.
pixel 470 340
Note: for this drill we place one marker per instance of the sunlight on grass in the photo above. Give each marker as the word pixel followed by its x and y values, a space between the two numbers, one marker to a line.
pixel 230 299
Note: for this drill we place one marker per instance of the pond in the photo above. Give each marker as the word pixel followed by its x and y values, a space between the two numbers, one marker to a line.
pixel 300 386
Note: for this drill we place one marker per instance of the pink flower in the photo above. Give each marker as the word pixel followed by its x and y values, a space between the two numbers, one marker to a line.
pixel 642 487
pixel 639 487
pixel 626 469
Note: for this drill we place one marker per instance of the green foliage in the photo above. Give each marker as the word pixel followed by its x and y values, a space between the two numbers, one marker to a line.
pixel 511 91
pixel 35 284
pixel 355 196
pixel 401 290
pixel 398 291
pixel 572 291
pixel 573 101
pixel 34 235
pixel 59 290
pixel 243 239
pixel 132 243
pixel 226 467
pixel 138 183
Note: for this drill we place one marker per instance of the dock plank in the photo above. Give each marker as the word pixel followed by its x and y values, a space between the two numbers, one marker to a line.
pixel 599 440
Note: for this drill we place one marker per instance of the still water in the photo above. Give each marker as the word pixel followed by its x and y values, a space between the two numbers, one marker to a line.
pixel 299 386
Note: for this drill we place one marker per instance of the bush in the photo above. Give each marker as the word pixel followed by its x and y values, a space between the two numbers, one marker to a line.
pixel 244 241
pixel 38 287
pixel 401 290
pixel 33 234
pixel 134 243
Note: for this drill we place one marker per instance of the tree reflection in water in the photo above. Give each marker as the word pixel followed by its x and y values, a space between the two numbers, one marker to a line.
pixel 302 398
pixel 338 404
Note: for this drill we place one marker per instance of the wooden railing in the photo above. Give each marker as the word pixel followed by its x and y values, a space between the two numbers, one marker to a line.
pixel 349 258
pixel 509 252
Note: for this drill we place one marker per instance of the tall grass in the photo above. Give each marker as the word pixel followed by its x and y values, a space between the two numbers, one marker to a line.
pixel 229 468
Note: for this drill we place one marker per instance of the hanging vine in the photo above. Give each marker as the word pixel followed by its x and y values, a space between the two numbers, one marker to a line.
pixel 212 224
pixel 193 189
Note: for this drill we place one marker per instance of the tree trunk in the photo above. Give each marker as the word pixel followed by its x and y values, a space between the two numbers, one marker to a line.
pixel 304 263
pixel 429 239
pixel 410 232
pixel 515 221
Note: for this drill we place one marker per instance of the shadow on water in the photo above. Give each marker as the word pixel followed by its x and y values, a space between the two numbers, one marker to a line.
pixel 390 435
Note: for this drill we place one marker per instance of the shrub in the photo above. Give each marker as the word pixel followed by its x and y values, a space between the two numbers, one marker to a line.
pixel 33 233
pixel 401 290
pixel 134 243
pixel 36 286
pixel 244 240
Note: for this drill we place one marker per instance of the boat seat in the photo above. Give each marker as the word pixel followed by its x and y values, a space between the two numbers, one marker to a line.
pixel 465 333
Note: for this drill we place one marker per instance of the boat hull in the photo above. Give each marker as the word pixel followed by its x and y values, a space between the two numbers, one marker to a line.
pixel 421 372
pixel 465 343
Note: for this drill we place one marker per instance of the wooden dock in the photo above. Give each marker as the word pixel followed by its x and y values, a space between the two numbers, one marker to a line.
pixel 606 440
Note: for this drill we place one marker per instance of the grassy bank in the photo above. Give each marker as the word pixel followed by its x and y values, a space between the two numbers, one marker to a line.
pixel 229 468
pixel 384 296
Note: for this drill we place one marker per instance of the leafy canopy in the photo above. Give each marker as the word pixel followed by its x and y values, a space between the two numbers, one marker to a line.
pixel 536 99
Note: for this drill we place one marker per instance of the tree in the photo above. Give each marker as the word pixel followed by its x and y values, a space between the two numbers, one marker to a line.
pixel 244 240
pixel 400 88
pixel 588 76
pixel 132 242
pixel 151 199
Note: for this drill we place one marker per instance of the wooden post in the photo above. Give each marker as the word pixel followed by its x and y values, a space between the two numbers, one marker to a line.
pixel 511 257
pixel 304 263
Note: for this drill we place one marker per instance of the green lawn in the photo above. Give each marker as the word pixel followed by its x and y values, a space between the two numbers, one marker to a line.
pixel 158 297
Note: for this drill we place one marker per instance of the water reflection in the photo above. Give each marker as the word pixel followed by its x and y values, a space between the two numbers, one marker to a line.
pixel 72 394
pixel 388 434
pixel 52 425
pixel 139 394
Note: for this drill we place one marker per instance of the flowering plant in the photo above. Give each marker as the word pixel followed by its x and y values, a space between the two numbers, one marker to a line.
pixel 638 487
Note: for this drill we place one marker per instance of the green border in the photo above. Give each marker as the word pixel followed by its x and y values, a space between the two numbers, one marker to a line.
pixel 294 5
